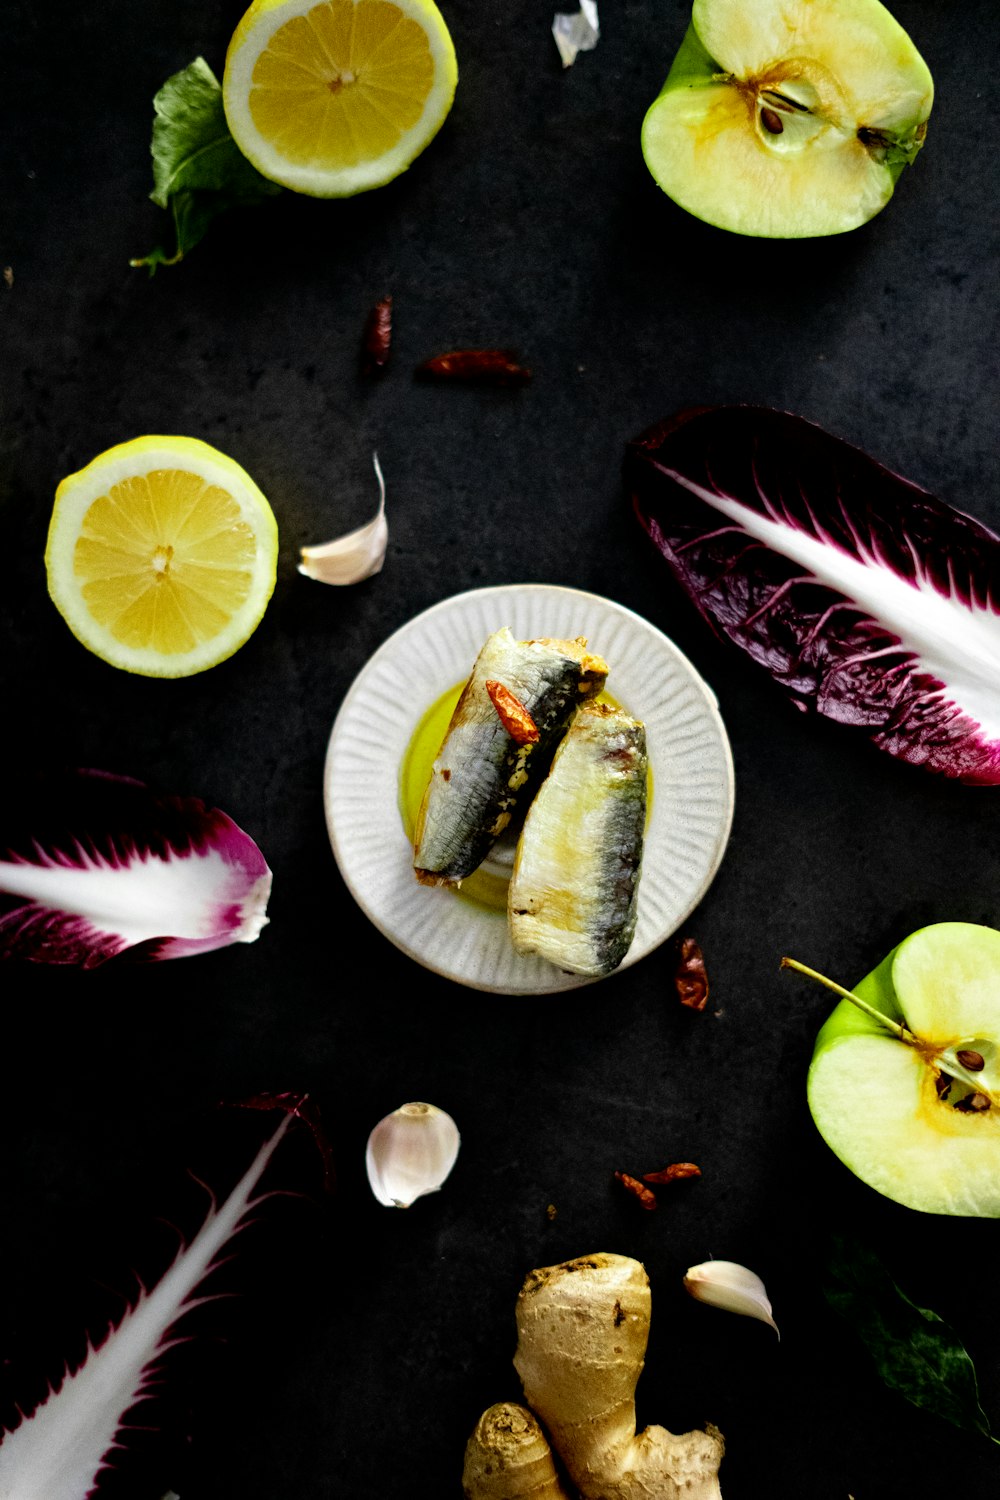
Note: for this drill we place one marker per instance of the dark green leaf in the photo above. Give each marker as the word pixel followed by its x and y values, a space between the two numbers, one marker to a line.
pixel 916 1352
pixel 198 170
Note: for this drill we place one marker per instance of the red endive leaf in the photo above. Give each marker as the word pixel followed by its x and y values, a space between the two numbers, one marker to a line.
pixel 302 1108
pixel 866 598
pixel 93 864
pixel 60 1448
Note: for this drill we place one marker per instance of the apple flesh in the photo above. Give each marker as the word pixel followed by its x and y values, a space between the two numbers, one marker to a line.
pixel 788 118
pixel 919 1119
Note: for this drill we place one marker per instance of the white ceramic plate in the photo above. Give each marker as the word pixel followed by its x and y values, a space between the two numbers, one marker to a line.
pixel 689 754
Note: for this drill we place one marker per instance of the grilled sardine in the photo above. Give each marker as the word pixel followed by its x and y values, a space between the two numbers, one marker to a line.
pixel 491 758
pixel 573 895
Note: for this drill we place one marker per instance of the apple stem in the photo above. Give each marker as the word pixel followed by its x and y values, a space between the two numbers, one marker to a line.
pixel 869 1010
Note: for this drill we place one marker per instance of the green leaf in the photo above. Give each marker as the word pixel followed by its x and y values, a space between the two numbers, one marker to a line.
pixel 192 148
pixel 198 170
pixel 916 1352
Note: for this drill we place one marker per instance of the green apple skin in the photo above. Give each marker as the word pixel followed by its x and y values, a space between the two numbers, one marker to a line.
pixel 874 1098
pixel 847 1020
pixel 831 168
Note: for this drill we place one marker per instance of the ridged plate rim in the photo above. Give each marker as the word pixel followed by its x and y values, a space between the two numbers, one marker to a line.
pixel 693 778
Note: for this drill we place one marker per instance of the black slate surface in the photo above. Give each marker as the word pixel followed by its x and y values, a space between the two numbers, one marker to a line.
pixel 360 1365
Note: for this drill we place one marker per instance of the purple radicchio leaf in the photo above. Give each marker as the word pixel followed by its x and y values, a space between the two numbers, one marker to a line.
pixel 63 1448
pixel 866 598
pixel 93 864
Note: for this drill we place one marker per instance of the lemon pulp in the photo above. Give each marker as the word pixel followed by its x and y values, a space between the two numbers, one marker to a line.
pixel 161 555
pixel 337 97
pixel 340 84
pixel 164 560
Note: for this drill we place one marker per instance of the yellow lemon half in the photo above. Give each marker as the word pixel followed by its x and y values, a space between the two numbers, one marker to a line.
pixel 340 96
pixel 161 556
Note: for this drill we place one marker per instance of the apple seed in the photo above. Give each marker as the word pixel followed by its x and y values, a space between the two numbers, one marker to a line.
pixel 771 120
pixel 974 1062
pixel 973 1103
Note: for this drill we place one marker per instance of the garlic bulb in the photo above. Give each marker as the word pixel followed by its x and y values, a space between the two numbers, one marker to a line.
pixel 355 556
pixel 723 1283
pixel 410 1153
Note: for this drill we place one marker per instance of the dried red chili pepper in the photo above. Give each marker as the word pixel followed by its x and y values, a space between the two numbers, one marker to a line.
pixel 690 976
pixel 676 1172
pixel 632 1185
pixel 512 714
pixel 377 338
pixel 477 366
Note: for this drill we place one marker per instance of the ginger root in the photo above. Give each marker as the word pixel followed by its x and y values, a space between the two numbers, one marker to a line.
pixel 582 1332
pixel 507 1455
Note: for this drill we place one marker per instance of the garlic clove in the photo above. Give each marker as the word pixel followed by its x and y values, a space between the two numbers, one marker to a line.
pixel 358 555
pixel 723 1283
pixel 410 1153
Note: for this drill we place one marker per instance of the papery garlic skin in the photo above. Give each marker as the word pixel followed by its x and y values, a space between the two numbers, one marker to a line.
pixel 579 32
pixel 723 1283
pixel 410 1153
pixel 356 556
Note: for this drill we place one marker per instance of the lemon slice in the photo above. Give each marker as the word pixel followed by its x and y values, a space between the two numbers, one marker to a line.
pixel 334 98
pixel 161 556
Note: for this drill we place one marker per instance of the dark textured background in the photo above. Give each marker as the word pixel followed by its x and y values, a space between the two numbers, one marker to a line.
pixel 531 221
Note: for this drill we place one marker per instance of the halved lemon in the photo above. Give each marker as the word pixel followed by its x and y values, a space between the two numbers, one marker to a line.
pixel 161 556
pixel 340 96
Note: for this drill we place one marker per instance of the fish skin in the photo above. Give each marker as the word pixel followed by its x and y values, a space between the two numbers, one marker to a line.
pixel 481 774
pixel 574 893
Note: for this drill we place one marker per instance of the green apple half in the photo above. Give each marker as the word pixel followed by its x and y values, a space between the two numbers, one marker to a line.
pixel 907 1090
pixel 788 118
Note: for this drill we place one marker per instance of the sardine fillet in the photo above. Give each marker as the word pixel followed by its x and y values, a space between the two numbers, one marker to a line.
pixel 574 893
pixel 481 773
